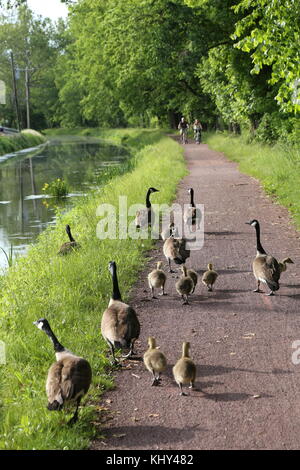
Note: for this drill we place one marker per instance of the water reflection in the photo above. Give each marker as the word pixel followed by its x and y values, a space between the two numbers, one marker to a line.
pixel 23 215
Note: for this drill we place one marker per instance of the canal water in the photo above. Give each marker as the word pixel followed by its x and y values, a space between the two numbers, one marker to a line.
pixel 24 210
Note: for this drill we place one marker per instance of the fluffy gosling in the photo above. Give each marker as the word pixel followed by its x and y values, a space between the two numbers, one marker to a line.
pixel 157 279
pixel 282 264
pixel 184 370
pixel 194 276
pixel 184 285
pixel 155 361
pixel 209 277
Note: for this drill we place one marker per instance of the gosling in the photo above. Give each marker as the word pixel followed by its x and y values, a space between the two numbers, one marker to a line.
pixel 157 278
pixel 209 277
pixel 155 361
pixel 282 264
pixel 184 286
pixel 194 276
pixel 184 370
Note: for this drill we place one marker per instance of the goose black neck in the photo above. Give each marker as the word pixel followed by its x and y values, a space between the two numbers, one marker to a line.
pixel 56 344
pixel 116 295
pixel 148 203
pixel 258 244
pixel 192 197
pixel 68 230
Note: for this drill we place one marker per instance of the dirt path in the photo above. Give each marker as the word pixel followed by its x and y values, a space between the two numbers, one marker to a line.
pixel 240 341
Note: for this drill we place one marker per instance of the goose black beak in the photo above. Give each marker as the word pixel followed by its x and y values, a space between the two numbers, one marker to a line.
pixel 248 223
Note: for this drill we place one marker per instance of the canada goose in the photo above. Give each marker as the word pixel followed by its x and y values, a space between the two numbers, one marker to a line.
pixel 154 360
pixel 175 249
pixel 157 278
pixel 145 217
pixel 184 285
pixel 184 370
pixel 192 215
pixel 194 276
pixel 120 326
pixel 167 232
pixel 209 277
pixel 68 247
pixel 69 378
pixel 266 268
pixel 282 264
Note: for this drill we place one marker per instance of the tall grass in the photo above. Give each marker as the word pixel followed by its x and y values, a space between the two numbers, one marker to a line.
pixel 72 292
pixel 14 143
pixel 276 167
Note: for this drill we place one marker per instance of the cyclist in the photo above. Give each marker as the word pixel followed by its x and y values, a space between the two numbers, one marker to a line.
pixel 183 127
pixel 197 131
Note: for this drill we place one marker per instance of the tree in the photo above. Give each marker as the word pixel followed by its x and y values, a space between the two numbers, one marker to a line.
pixel 138 59
pixel 271 30
pixel 35 45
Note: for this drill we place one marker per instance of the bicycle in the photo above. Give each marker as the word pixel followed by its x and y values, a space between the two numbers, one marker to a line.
pixel 197 136
pixel 183 136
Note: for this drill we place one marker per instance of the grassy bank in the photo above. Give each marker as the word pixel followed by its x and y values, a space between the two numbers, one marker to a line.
pixel 276 167
pixel 10 144
pixel 72 292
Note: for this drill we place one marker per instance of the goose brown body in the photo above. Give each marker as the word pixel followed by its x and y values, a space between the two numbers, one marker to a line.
pixel 266 268
pixel 120 326
pixel 192 215
pixel 145 217
pixel 70 246
pixel 175 249
pixel 69 378
pixel 167 232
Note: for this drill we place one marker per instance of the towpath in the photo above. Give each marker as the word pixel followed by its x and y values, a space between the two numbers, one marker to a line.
pixel 240 341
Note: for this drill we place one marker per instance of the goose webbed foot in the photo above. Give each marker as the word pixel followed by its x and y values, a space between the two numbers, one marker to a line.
pixel 270 294
pixel 258 290
pixel 155 382
pixel 73 420
pixel 114 362
pixel 130 354
pixel 182 393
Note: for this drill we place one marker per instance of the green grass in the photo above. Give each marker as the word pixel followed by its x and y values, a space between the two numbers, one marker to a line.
pixel 14 143
pixel 72 292
pixel 276 167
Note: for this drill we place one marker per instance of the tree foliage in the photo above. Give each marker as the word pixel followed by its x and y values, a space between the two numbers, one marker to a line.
pixel 227 62
pixel 271 31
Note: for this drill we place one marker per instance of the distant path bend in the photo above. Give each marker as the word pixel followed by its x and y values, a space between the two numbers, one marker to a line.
pixel 240 341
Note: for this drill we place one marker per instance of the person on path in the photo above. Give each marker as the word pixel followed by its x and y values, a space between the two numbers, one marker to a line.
pixel 197 127
pixel 183 126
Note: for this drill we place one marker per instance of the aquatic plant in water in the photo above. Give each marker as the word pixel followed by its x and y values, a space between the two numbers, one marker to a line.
pixel 57 188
